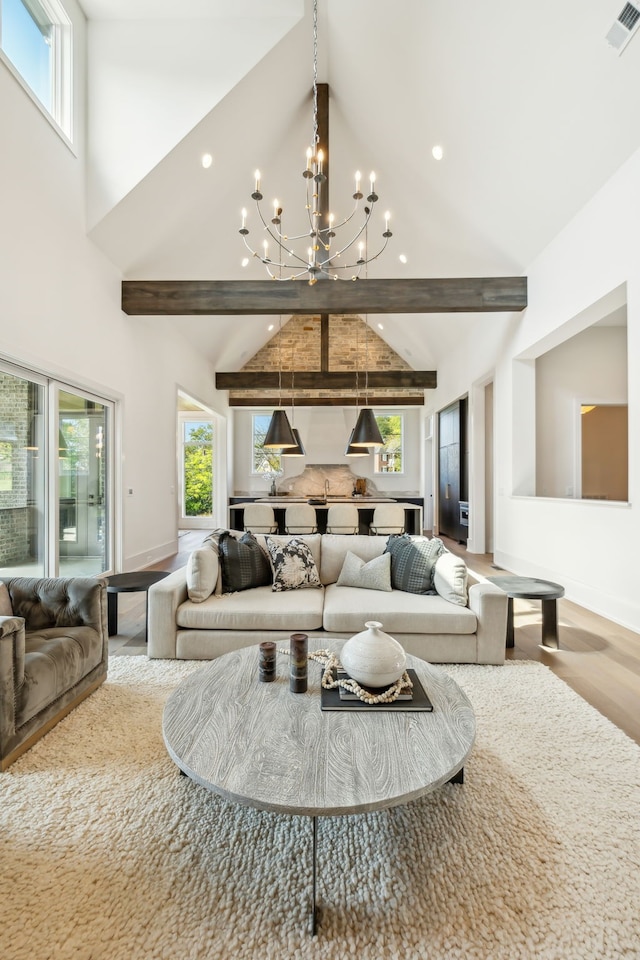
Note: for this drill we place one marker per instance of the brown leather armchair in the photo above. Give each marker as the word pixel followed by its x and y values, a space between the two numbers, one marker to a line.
pixel 53 653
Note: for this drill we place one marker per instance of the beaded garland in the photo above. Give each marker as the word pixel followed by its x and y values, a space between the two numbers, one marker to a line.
pixel 329 660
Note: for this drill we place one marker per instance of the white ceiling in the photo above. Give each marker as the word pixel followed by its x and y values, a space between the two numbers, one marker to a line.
pixel 532 107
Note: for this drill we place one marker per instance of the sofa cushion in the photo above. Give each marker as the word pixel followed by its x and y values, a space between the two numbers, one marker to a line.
pixel 259 609
pixel 335 547
pixel 412 562
pixel 202 573
pixel 6 610
pixel 292 565
pixel 374 575
pixel 450 578
pixel 347 608
pixel 244 563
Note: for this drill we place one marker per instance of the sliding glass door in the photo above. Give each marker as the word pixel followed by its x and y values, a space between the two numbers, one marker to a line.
pixel 55 478
pixel 83 528
pixel 23 468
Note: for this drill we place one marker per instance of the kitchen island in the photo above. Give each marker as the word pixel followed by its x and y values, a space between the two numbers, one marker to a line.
pixel 365 505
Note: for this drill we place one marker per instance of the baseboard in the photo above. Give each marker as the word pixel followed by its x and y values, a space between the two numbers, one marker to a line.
pixel 151 556
pixel 620 610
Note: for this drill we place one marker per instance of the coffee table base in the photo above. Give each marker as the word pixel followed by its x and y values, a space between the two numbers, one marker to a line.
pixel 314 916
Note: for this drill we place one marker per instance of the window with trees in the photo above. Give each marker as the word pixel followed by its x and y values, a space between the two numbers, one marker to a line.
pixel 197 466
pixel 36 44
pixel 389 458
pixel 264 462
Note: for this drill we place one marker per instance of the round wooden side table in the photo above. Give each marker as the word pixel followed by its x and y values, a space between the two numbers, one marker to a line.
pixel 530 588
pixel 136 582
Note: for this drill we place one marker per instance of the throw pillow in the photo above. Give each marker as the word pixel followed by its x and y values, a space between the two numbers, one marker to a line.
pixel 450 578
pixel 212 540
pixel 6 610
pixel 374 575
pixel 202 573
pixel 412 563
pixel 292 565
pixel 244 564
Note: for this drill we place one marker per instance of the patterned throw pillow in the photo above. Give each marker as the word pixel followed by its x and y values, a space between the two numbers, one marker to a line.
pixel 244 565
pixel 412 563
pixel 374 575
pixel 292 565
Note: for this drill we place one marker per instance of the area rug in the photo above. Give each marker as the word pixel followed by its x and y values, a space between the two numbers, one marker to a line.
pixel 107 853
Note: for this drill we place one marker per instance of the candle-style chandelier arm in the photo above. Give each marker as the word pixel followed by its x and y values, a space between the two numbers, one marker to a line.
pixel 298 264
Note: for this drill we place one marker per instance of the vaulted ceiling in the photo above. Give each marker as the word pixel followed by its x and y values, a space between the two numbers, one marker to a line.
pixel 533 109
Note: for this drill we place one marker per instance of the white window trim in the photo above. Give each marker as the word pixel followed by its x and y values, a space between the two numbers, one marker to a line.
pixel 62 53
pixel 261 473
pixel 391 473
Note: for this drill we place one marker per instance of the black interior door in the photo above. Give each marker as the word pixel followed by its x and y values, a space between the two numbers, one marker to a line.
pixel 452 460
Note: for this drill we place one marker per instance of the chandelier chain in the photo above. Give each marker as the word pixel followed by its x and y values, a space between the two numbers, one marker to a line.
pixel 316 137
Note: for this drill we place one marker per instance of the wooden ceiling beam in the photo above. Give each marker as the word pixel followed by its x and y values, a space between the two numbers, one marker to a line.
pixel 336 401
pixel 327 380
pixel 255 297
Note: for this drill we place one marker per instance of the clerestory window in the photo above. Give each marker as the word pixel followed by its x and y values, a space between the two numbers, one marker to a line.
pixel 36 45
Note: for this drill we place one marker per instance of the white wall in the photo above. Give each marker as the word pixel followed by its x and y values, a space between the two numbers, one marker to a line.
pixel 152 81
pixel 324 432
pixel 588 368
pixel 563 540
pixel 60 311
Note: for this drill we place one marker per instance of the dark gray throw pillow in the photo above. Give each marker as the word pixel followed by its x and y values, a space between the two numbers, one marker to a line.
pixel 412 563
pixel 243 563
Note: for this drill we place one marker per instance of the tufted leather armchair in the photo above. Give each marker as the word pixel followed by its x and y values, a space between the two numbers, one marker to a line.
pixel 53 654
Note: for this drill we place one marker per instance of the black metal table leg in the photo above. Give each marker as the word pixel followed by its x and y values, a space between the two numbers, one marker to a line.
pixel 313 920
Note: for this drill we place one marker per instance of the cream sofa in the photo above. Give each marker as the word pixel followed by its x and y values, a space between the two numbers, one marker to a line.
pixel 468 627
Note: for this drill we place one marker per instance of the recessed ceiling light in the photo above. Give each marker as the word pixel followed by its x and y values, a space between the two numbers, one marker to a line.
pixel 402 258
pixel 207 160
pixel 381 326
pixel 270 327
pixel 437 152
pixel 245 262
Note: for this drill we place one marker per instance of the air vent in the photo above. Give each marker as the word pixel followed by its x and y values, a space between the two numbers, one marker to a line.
pixel 624 28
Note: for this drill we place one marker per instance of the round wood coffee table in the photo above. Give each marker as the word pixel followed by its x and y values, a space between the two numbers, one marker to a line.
pixel 260 745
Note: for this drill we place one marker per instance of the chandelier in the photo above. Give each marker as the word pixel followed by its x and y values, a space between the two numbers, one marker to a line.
pixel 319 250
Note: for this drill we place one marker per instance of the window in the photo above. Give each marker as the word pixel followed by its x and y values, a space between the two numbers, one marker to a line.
pixel 35 42
pixel 388 459
pixel 197 468
pixel 55 478
pixel 264 462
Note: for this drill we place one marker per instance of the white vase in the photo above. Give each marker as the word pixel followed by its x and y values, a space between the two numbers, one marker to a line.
pixel 372 657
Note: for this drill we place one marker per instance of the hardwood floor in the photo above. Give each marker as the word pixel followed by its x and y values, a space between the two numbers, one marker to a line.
pixel 598 658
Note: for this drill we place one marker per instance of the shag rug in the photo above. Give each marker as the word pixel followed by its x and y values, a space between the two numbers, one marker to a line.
pixel 107 853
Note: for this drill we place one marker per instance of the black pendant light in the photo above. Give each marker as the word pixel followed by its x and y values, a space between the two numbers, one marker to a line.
pixel 366 432
pixel 352 451
pixel 279 435
pixel 298 450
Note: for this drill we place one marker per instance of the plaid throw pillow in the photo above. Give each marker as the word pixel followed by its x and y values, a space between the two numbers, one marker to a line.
pixel 293 565
pixel 243 563
pixel 412 563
